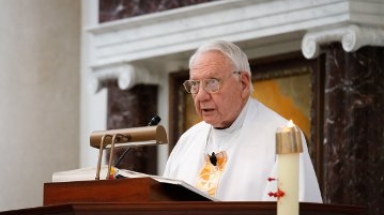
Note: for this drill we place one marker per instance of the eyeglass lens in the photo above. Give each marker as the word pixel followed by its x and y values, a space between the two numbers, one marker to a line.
pixel 209 85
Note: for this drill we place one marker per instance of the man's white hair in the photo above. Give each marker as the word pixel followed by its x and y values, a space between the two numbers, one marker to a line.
pixel 238 58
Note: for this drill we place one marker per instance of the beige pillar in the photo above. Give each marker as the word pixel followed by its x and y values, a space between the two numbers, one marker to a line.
pixel 39 96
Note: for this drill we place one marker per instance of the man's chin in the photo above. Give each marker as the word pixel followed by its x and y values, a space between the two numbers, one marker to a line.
pixel 221 125
pixel 209 121
pixel 213 123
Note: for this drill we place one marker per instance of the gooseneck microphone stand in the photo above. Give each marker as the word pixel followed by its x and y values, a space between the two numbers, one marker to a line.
pixel 154 121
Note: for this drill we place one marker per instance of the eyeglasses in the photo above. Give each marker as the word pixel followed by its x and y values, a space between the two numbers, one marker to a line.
pixel 211 85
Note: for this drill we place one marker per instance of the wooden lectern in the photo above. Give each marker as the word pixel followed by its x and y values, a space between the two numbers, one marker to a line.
pixel 118 190
pixel 145 196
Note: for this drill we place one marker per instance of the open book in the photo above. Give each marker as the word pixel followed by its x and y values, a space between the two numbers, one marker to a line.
pixel 88 174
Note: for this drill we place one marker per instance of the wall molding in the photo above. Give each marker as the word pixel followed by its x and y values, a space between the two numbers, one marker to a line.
pixel 262 28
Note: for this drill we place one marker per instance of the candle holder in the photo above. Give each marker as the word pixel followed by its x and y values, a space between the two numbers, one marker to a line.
pixel 288 139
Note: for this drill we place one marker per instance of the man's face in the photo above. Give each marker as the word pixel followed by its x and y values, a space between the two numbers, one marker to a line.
pixel 220 109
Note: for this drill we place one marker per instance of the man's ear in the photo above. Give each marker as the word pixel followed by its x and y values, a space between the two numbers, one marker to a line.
pixel 245 82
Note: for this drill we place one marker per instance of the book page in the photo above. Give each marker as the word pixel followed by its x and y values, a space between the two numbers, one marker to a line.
pixel 89 174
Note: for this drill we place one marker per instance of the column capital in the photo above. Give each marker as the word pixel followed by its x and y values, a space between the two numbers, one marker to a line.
pixel 127 76
pixel 352 37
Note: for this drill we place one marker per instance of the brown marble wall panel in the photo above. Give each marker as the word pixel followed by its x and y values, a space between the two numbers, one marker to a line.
pixel 133 108
pixel 110 10
pixel 354 127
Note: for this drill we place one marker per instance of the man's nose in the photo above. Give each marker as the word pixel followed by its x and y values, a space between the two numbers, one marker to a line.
pixel 202 93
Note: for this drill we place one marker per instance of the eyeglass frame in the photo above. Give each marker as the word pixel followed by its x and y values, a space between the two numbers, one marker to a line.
pixel 204 81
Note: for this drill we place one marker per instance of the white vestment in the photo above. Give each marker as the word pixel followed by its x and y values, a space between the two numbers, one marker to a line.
pixel 251 148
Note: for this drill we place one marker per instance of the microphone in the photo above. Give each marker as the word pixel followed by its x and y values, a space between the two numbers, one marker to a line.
pixel 154 121
pixel 213 159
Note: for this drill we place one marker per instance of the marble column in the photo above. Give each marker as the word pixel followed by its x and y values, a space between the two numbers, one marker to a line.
pixel 133 108
pixel 354 127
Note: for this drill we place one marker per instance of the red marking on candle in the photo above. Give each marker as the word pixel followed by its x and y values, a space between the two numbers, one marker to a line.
pixel 277 194
pixel 280 193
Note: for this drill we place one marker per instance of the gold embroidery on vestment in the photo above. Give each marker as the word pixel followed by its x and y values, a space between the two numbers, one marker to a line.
pixel 210 175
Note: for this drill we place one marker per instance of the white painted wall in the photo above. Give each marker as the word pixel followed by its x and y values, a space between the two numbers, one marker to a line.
pixel 93 111
pixel 39 96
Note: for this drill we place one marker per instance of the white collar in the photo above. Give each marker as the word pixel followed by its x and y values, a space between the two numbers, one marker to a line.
pixel 219 139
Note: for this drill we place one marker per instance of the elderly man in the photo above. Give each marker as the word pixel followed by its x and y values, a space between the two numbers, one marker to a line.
pixel 231 153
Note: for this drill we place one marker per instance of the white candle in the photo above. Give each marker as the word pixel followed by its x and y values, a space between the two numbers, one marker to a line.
pixel 288 147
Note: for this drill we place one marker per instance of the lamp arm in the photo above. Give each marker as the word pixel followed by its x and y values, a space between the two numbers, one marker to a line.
pixel 100 155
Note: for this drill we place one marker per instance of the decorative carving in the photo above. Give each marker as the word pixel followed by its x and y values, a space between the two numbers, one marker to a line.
pixel 352 38
pixel 127 76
